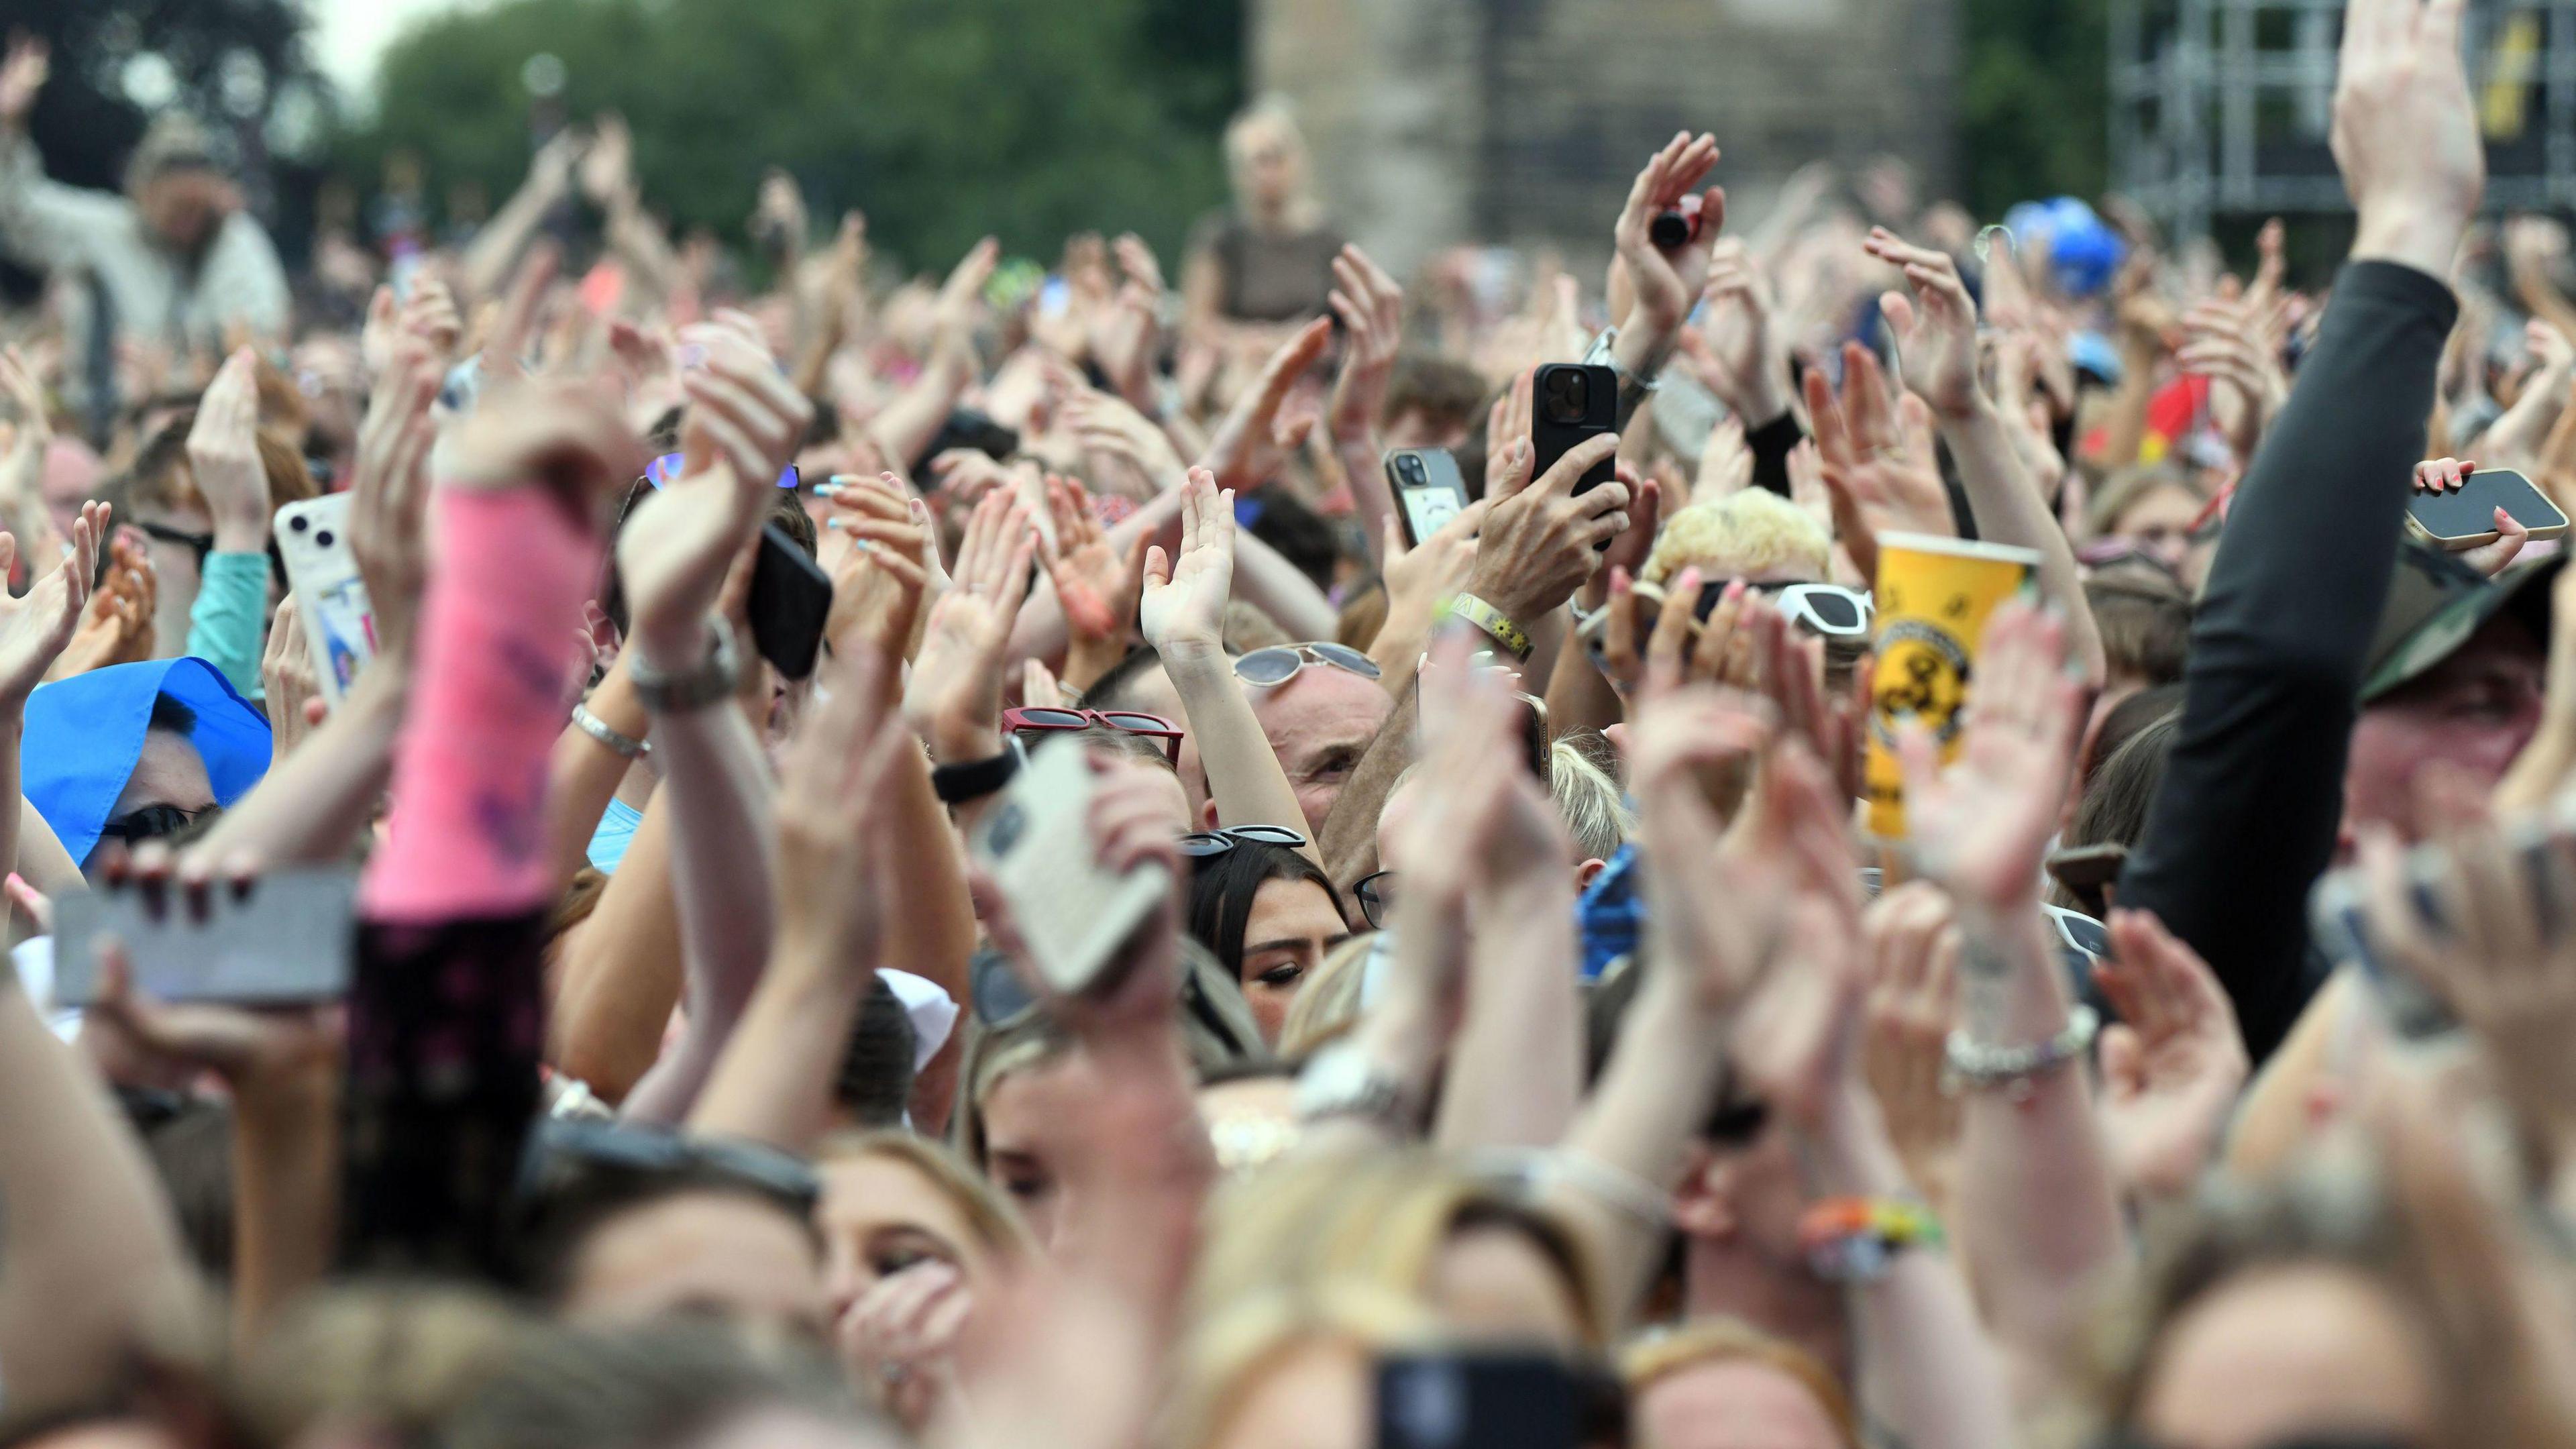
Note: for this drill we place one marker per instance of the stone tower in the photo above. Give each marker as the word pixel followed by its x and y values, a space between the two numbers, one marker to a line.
pixel 1436 121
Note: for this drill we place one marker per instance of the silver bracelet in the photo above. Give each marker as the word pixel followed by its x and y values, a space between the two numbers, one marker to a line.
pixel 1977 1066
pixel 600 730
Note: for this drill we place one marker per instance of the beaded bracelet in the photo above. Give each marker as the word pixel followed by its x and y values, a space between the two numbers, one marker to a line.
pixel 1852 1239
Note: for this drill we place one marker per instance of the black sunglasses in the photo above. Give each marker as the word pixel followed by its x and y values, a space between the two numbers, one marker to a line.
pixel 154 822
pixel 1206 844
pixel 564 1146
pixel 200 544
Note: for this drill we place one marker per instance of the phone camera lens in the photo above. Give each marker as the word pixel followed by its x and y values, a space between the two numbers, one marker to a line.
pixel 1409 469
pixel 298 523
pixel 1569 395
pixel 1010 822
pixel 323 538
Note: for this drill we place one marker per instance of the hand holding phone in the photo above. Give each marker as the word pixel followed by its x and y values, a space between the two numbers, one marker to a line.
pixel 1072 911
pixel 286 938
pixel 2454 507
pixel 338 620
pixel 1429 490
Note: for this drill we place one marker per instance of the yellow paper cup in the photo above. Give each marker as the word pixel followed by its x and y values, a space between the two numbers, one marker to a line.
pixel 1932 600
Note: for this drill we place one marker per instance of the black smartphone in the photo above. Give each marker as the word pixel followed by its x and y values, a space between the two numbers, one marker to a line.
pixel 791 598
pixel 1495 1399
pixel 1429 490
pixel 2466 518
pixel 1572 401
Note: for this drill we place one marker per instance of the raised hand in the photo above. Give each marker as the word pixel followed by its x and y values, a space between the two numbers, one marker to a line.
pixel 833 785
pixel 2223 342
pixel 117 629
pixel 1980 827
pixel 1252 441
pixel 902 1335
pixel 35 627
pixel 877 548
pixel 1878 459
pixel 1110 427
pixel 292 699
pixel 744 422
pixel 1741 358
pixel 2405 132
pixel 223 456
pixel 389 494
pixel 2172 1066
pixel 961 298
pixel 1371 306
pixel 1913 948
pixel 954 701
pixel 608 167
pixel 1507 422
pixel 1541 540
pixel 1123 334
pixel 1665 283
pixel 1096 582
pixel 22 76
pixel 1183 604
pixel 1938 338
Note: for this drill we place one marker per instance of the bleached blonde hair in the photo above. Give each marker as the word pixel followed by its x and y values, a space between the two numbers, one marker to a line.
pixel 1749 532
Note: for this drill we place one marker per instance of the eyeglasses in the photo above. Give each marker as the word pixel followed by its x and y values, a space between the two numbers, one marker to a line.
pixel 2079 931
pixel 200 544
pixel 1275 666
pixel 1377 898
pixel 1048 719
pixel 564 1143
pixel 665 470
pixel 1206 844
pixel 154 822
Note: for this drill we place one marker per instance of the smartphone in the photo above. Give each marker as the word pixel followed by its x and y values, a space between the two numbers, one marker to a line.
pixel 2466 519
pixel 1572 401
pixel 791 600
pixel 1429 490
pixel 2085 869
pixel 291 940
pixel 339 623
pixel 1036 844
pixel 1494 1399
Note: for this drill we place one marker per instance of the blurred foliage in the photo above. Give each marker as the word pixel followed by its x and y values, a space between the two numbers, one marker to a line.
pixel 941 119
pixel 2034 100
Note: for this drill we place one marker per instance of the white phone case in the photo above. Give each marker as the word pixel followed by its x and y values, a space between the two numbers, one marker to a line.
pixel 1036 843
pixel 292 939
pixel 339 623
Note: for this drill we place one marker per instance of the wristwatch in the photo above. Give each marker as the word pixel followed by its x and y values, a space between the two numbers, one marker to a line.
pixel 710 682
pixel 1633 390
pixel 1341 1081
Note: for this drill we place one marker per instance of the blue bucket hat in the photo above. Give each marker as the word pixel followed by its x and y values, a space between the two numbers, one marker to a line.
pixel 85 733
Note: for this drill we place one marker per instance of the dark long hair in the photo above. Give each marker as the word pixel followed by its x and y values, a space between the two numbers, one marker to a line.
pixel 1222 888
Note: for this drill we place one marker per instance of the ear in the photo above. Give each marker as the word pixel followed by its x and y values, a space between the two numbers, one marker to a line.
pixel 1584 873
pixel 1207 814
pixel 1703 1205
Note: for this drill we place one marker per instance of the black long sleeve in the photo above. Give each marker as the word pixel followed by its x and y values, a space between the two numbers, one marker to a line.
pixel 1771 445
pixel 2246 816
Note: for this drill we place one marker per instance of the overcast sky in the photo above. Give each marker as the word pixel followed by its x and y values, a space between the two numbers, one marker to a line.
pixel 348 35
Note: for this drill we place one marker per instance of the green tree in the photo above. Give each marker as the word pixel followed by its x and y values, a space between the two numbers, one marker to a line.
pixel 942 119
pixel 2034 100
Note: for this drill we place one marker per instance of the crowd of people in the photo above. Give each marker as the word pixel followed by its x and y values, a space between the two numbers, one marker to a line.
pixel 1522 1038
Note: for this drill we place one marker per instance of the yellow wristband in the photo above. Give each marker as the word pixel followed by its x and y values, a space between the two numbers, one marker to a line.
pixel 1514 639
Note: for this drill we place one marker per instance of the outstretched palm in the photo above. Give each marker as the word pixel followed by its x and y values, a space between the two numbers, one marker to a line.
pixel 1981 826
pixel 34 628
pixel 1184 599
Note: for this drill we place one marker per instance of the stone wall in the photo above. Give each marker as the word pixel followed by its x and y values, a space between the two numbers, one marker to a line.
pixel 1434 121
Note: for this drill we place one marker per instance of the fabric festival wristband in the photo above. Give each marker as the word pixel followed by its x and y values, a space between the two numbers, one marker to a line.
pixel 1853 1239
pixel 1494 622
pixel 957 784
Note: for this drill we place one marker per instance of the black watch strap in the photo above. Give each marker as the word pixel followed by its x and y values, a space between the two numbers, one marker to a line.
pixel 957 784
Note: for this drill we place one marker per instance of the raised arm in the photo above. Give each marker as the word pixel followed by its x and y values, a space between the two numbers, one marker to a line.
pixel 907 424
pixel 2039 1214
pixel 1184 616
pixel 745 421
pixel 494 253
pixel 1938 330
pixel 43 223
pixel 2248 810
pixel 1371 306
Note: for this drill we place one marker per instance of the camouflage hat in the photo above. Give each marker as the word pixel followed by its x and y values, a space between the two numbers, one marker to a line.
pixel 2436 603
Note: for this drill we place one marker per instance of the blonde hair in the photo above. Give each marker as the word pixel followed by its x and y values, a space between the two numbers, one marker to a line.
pixel 2126 488
pixel 998 1230
pixel 993 1053
pixel 1328 1005
pixel 1664 1352
pixel 1374 1217
pixel 1222 1359
pixel 1587 798
pixel 1273 112
pixel 393 1360
pixel 1750 532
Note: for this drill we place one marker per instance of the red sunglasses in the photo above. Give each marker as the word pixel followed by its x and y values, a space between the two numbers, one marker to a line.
pixel 1050 720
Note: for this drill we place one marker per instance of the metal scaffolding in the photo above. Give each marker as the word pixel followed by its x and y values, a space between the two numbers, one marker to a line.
pixel 2222 107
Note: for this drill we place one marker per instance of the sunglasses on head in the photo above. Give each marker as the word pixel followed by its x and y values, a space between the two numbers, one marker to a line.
pixel 565 1146
pixel 665 470
pixel 1206 844
pixel 1275 666
pixel 1049 719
